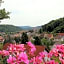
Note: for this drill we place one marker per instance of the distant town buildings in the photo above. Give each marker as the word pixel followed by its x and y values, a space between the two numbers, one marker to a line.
pixel 1 39
pixel 59 37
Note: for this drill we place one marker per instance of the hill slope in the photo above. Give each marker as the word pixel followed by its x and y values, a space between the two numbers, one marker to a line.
pixel 54 26
pixel 29 27
pixel 9 28
pixel 26 27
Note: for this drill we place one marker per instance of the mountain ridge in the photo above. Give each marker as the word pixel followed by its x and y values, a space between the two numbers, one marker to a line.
pixel 54 26
pixel 29 27
pixel 9 28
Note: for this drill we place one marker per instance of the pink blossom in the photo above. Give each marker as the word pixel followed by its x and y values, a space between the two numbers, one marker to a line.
pixel 4 53
pixel 23 58
pixel 51 62
pixel 17 54
pixel 32 48
pixel 42 54
pixel 16 48
pixel 62 60
pixel 11 60
pixel 36 60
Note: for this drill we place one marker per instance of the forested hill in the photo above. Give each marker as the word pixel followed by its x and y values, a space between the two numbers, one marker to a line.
pixel 54 26
pixel 9 28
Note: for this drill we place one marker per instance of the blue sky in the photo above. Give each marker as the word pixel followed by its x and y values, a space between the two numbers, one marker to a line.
pixel 32 12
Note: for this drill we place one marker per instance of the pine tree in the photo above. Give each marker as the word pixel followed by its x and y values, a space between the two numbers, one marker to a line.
pixel 37 40
pixel 24 38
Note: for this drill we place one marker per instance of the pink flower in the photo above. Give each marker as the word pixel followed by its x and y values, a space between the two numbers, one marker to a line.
pixel 0 52
pixel 4 53
pixel 23 58
pixel 62 60
pixel 20 47
pixel 36 60
pixel 16 48
pixel 32 48
pixel 54 52
pixel 42 54
pixel 51 62
pixel 11 60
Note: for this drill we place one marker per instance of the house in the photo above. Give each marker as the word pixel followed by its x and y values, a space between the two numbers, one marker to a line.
pixel 1 39
pixel 17 35
pixel 61 34
pixel 59 37
pixel 48 36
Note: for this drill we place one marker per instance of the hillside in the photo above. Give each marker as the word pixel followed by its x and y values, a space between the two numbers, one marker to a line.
pixel 26 27
pixel 9 28
pixel 29 27
pixel 54 26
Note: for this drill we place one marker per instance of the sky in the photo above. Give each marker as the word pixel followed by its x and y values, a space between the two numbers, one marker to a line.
pixel 32 12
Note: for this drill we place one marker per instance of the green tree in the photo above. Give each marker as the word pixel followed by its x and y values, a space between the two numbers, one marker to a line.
pixel 40 31
pixel 8 39
pixel 37 40
pixel 51 42
pixel 47 43
pixel 54 26
pixel 17 39
pixel 24 38
pixel 4 14
pixel 62 42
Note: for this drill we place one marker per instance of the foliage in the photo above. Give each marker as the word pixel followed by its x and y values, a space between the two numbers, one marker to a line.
pixel 24 38
pixel 31 31
pixel 37 40
pixel 62 42
pixel 9 28
pixel 17 39
pixel 40 31
pixel 54 26
pixel 47 43
pixel 8 39
pixel 4 14
pixel 32 41
pixel 1 46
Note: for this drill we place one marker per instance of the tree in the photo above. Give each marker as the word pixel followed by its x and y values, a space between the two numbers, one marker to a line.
pixel 17 39
pixel 54 26
pixel 47 43
pixel 40 31
pixel 37 40
pixel 8 39
pixel 4 14
pixel 62 42
pixel 24 38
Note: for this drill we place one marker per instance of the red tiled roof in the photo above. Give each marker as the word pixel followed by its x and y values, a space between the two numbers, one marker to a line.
pixel 50 35
pixel 5 46
pixel 1 37
pixel 61 34
pixel 57 37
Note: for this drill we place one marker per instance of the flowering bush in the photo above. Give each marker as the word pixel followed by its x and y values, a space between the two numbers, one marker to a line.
pixel 16 54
